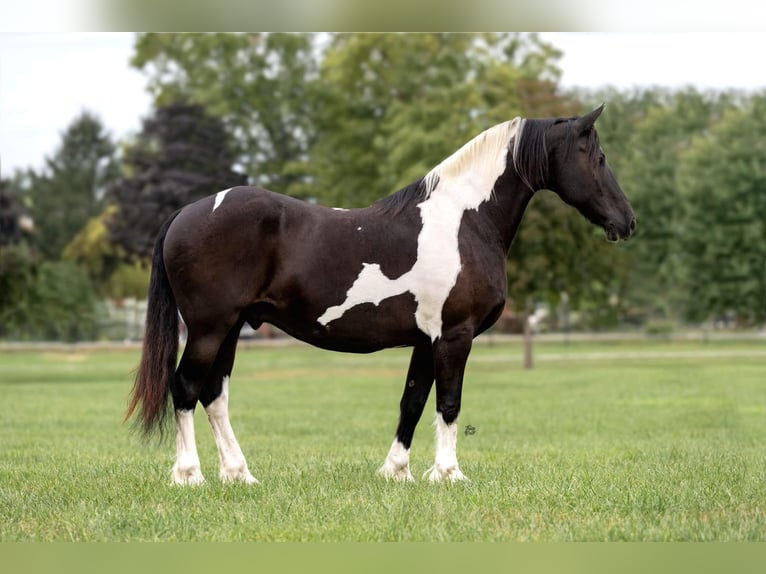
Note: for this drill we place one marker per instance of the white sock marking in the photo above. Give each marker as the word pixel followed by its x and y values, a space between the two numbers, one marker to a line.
pixel 219 197
pixel 186 469
pixel 233 463
pixel 465 181
pixel 445 463
pixel 397 464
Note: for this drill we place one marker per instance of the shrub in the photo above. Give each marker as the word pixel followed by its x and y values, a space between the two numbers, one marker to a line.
pixel 49 301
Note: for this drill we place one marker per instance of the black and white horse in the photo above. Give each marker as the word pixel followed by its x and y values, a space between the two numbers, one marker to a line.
pixel 424 267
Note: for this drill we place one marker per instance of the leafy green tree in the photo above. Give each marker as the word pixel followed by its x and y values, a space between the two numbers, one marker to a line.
pixel 182 154
pixel 723 179
pixel 16 268
pixel 43 300
pixel 390 107
pixel 522 79
pixel 17 272
pixel 557 251
pixel 71 187
pixel 104 262
pixel 259 84
pixel 624 110
pixel 649 175
pixel 58 304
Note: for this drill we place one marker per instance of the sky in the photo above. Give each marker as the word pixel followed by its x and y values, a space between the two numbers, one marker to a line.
pixel 47 79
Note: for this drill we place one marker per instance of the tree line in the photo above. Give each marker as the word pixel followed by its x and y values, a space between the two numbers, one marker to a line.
pixel 346 119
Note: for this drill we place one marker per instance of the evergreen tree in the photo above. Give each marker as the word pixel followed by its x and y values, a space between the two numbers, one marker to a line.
pixel 182 154
pixel 259 84
pixel 71 188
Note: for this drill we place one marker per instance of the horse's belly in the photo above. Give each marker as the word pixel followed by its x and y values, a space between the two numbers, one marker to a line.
pixel 364 328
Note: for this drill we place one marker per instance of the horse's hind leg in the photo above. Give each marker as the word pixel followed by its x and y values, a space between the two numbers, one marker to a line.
pixel 215 398
pixel 196 362
pixel 420 378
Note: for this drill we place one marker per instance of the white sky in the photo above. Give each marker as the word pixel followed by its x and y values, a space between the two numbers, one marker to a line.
pixel 48 79
pixel 716 60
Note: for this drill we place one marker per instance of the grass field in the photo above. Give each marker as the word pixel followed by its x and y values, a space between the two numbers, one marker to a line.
pixel 610 441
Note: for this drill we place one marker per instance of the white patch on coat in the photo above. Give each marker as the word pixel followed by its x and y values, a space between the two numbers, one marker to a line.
pixel 219 197
pixel 186 470
pixel 339 209
pixel 461 182
pixel 397 464
pixel 233 463
pixel 445 463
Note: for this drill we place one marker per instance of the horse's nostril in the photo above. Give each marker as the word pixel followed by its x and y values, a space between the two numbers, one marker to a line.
pixel 632 225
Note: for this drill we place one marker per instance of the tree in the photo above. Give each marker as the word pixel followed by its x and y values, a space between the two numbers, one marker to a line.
pixel 557 251
pixel 649 174
pixel 723 180
pixel 70 189
pixel 623 112
pixel 16 265
pixel 182 154
pixel 391 106
pixel 15 224
pixel 17 274
pixel 58 303
pixel 259 84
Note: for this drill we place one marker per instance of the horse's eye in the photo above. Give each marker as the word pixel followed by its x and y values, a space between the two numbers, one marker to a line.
pixel 601 159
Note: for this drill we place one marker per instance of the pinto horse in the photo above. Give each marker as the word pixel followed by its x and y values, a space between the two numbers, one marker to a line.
pixel 424 267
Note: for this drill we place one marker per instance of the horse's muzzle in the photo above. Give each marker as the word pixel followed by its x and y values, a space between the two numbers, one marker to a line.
pixel 615 232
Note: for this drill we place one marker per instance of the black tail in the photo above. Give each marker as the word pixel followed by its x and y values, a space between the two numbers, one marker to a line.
pixel 160 350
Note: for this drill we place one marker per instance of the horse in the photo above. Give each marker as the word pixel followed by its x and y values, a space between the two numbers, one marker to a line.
pixel 421 268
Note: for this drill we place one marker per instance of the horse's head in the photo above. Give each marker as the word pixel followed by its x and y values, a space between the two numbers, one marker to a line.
pixel 579 174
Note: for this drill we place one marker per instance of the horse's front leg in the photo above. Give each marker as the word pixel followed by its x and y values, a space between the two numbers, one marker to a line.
pixel 420 378
pixel 450 355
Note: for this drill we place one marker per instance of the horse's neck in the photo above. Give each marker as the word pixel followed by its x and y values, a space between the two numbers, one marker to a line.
pixel 506 209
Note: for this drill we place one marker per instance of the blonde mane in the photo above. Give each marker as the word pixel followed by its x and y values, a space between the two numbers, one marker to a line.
pixel 480 154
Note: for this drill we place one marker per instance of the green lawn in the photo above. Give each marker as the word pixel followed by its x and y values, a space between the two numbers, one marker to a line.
pixel 601 441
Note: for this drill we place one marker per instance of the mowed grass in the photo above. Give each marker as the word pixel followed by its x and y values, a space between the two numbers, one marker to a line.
pixel 638 441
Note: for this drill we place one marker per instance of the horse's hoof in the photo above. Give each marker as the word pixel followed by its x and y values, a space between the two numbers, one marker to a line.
pixel 188 477
pixel 242 476
pixel 401 474
pixel 436 474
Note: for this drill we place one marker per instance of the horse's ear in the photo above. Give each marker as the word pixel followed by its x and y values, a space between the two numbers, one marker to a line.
pixel 585 123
